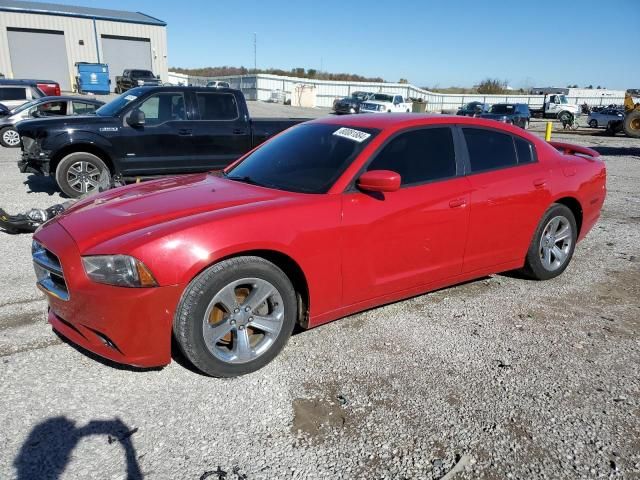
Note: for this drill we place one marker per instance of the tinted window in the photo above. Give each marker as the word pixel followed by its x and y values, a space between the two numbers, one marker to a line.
pixel 52 108
pixel 12 93
pixel 419 156
pixel 524 150
pixel 163 107
pixel 489 149
pixel 305 158
pixel 217 106
pixel 80 108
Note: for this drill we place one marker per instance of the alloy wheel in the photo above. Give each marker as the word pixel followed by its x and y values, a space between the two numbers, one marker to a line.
pixel 555 243
pixel 243 320
pixel 83 176
pixel 11 138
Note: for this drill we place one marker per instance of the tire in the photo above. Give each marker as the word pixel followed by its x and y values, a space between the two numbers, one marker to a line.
pixel 546 239
pixel 632 124
pixel 526 125
pixel 565 116
pixel 199 321
pixel 593 123
pixel 9 137
pixel 82 173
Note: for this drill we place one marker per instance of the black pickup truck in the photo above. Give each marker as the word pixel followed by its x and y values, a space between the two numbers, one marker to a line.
pixel 146 131
pixel 136 78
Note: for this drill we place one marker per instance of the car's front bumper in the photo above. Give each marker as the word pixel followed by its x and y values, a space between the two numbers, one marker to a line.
pixel 126 325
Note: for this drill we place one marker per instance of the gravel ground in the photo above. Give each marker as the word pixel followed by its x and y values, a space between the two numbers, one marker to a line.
pixel 500 377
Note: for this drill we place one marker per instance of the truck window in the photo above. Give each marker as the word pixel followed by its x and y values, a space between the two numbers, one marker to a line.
pixel 163 107
pixel 13 93
pixel 52 108
pixel 81 108
pixel 217 106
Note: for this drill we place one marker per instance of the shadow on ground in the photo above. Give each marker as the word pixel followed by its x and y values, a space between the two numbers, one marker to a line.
pixel 48 448
pixel 618 151
pixel 41 184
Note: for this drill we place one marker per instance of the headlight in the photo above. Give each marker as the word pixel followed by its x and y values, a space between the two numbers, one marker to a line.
pixel 380 107
pixel 119 270
pixel 140 82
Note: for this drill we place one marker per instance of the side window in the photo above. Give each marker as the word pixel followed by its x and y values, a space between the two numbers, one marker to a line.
pixel 52 108
pixel 524 150
pixel 217 106
pixel 12 93
pixel 489 149
pixel 163 107
pixel 419 156
pixel 80 108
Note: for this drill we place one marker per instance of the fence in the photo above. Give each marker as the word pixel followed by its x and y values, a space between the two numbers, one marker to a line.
pixel 261 87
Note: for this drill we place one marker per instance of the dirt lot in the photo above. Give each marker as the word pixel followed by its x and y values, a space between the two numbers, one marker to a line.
pixel 505 377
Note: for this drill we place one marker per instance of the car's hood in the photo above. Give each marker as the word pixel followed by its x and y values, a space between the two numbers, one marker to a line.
pixel 102 217
pixel 61 122
pixel 349 101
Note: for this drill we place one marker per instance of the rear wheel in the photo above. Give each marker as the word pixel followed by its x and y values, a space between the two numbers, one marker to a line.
pixel 632 124
pixel 593 123
pixel 552 244
pixel 236 316
pixel 9 137
pixel 82 173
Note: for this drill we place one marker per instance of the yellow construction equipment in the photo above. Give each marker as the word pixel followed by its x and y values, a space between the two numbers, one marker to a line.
pixel 631 122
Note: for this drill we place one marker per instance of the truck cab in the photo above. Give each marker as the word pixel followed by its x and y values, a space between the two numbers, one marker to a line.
pixel 385 103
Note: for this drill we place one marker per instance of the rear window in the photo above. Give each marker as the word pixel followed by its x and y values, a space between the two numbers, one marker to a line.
pixel 489 149
pixel 13 93
pixel 217 106
pixel 524 150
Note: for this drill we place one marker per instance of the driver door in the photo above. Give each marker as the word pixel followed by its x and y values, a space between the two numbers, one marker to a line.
pixel 163 144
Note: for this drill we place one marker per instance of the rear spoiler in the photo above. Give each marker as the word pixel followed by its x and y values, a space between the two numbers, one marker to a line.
pixel 571 149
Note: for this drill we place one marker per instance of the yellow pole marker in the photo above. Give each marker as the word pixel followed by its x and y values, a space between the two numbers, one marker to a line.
pixel 138 178
pixel 547 133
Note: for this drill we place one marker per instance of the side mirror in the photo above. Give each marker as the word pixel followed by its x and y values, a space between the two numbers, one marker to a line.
pixel 379 181
pixel 136 119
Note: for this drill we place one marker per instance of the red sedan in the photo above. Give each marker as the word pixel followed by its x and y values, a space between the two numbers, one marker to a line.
pixel 331 217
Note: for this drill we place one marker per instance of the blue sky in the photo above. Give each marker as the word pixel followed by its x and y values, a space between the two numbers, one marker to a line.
pixel 431 43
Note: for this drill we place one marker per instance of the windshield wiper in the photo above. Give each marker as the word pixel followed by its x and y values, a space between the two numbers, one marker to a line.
pixel 245 179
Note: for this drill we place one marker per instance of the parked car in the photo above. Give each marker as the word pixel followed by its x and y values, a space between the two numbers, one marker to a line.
pixel 515 113
pixel 351 104
pixel 43 107
pixel 136 78
pixel 603 117
pixel 146 131
pixel 384 103
pixel 334 216
pixel 14 93
pixel 218 84
pixel 473 109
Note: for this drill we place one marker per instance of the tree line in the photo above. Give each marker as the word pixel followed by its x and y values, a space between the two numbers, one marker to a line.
pixel 225 71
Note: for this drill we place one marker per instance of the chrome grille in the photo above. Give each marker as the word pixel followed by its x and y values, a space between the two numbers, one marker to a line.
pixel 49 271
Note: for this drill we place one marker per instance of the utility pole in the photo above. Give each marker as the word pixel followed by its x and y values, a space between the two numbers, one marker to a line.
pixel 255 52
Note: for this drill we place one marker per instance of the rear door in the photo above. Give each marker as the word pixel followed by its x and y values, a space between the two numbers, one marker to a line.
pixel 221 133
pixel 509 194
pixel 416 235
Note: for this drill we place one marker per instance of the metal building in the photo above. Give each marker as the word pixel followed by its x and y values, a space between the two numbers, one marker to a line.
pixel 45 40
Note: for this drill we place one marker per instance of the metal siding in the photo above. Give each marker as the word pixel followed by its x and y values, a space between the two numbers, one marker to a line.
pixel 39 55
pixel 76 29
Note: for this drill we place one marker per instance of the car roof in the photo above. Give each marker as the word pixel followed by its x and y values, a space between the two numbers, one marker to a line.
pixel 59 98
pixel 22 81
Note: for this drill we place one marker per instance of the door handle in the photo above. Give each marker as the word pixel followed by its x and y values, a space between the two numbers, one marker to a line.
pixel 540 182
pixel 239 131
pixel 185 131
pixel 458 203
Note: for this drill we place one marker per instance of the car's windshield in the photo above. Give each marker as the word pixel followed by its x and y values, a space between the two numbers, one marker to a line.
pixel 381 97
pixel 116 105
pixel 502 108
pixel 24 106
pixel 360 95
pixel 307 158
pixel 142 74
pixel 472 106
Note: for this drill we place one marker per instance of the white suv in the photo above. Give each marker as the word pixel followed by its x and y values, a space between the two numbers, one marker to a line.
pixel 385 103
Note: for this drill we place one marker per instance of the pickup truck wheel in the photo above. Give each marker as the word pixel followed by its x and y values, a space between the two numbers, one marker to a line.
pixel 552 244
pixel 9 137
pixel 593 123
pixel 81 173
pixel 236 316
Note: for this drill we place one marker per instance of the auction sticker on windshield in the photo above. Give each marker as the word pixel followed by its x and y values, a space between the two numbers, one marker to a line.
pixel 351 134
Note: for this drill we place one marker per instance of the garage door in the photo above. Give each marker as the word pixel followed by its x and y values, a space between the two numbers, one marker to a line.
pixel 125 53
pixel 40 55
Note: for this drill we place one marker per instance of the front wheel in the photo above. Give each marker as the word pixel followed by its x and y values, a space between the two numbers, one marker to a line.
pixel 82 173
pixel 593 123
pixel 236 316
pixel 9 137
pixel 552 244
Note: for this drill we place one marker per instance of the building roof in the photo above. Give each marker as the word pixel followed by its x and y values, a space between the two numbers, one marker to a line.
pixel 80 12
